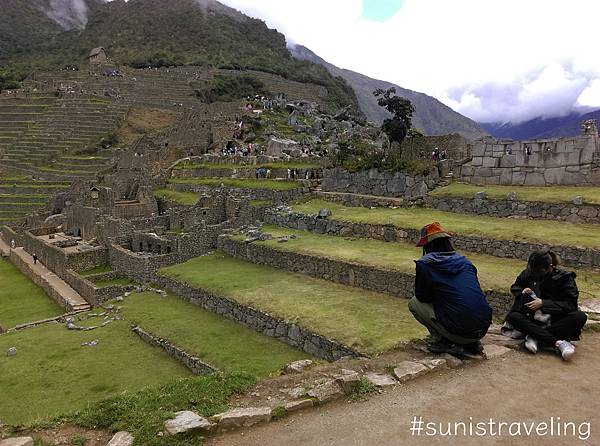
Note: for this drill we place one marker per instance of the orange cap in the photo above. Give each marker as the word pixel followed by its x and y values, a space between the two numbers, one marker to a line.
pixel 431 232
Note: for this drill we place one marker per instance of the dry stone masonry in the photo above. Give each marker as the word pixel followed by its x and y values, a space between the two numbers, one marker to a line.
pixel 544 162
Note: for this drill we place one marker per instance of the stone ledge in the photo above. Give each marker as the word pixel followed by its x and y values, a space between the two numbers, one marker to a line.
pixel 570 255
pixel 264 323
pixel 196 365
pixel 378 279
pixel 586 213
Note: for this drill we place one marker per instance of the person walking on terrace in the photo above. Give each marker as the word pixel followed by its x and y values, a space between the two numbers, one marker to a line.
pixel 543 288
pixel 448 298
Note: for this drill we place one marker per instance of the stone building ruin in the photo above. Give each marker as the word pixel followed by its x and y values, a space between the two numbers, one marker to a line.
pixel 569 161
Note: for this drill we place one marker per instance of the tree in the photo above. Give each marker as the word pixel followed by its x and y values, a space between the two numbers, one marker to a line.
pixel 396 127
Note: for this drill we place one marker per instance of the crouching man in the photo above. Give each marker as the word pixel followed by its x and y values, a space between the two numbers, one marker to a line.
pixel 448 297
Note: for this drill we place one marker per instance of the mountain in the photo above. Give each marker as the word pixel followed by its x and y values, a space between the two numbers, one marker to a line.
pixel 431 116
pixel 540 128
pixel 23 27
pixel 51 34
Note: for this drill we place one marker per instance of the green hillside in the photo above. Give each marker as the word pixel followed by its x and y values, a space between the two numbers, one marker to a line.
pixel 143 33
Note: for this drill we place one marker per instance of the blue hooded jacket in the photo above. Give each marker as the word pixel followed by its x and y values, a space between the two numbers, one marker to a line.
pixel 449 281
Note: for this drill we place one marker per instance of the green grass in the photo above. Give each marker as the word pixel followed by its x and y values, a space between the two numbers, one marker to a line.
pixel 96 270
pixel 185 198
pixel 21 300
pixel 260 203
pixel 369 322
pixel 362 391
pixel 213 338
pixel 113 282
pixel 250 183
pixel 143 413
pixel 41 196
pixel 52 373
pixel 538 231
pixel 36 186
pixel 551 194
pixel 191 166
pixel 494 273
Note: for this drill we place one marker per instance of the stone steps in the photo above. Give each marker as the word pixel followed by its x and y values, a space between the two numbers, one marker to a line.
pixel 308 313
pixel 56 288
pixel 474 233
pixel 376 265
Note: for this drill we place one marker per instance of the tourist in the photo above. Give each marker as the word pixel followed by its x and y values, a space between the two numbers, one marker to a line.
pixel 13 245
pixel 543 286
pixel 448 297
pixel 35 258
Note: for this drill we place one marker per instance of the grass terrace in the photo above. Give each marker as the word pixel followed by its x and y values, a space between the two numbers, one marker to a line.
pixel 239 183
pixel 34 185
pixel 96 270
pixel 495 273
pixel 218 341
pixel 378 322
pixel 191 166
pixel 185 198
pixel 113 282
pixel 32 196
pixel 53 373
pixel 538 231
pixel 551 194
pixel 21 300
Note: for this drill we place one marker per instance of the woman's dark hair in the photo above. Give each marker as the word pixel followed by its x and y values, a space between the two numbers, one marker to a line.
pixel 541 260
pixel 442 244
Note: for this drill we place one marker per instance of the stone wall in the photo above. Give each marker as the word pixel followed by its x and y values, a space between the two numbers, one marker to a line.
pixel 585 213
pixel 58 261
pixel 264 323
pixel 42 281
pixel 570 256
pixel 90 292
pixel 564 161
pixel 8 234
pixel 374 182
pixel 138 266
pixel 214 158
pixel 276 196
pixel 364 201
pixel 228 172
pixel 378 279
pixel 196 365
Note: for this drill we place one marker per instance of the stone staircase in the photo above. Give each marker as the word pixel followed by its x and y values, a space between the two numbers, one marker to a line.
pixel 56 288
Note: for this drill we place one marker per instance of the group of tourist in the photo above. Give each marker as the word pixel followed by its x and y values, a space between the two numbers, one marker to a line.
pixel 436 155
pixel 450 303
pixel 232 150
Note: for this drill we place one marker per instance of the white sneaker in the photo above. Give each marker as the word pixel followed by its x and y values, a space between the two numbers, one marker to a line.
pixel 531 344
pixel 566 349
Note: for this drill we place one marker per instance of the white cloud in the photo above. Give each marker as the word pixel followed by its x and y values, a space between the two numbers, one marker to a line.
pixel 489 59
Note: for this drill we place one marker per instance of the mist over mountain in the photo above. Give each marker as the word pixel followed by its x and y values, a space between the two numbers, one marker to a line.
pixel 431 116
pixel 540 128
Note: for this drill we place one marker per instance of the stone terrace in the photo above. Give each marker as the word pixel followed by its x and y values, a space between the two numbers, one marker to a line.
pixel 60 130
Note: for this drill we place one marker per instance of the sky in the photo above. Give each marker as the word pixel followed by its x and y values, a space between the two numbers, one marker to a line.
pixel 491 60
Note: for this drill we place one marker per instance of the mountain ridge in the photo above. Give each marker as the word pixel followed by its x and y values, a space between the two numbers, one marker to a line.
pixel 542 128
pixel 431 116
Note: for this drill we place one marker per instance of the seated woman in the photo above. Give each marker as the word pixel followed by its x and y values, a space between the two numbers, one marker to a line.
pixel 448 297
pixel 543 286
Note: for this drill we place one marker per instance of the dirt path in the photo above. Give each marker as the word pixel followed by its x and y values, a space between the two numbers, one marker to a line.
pixel 544 387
